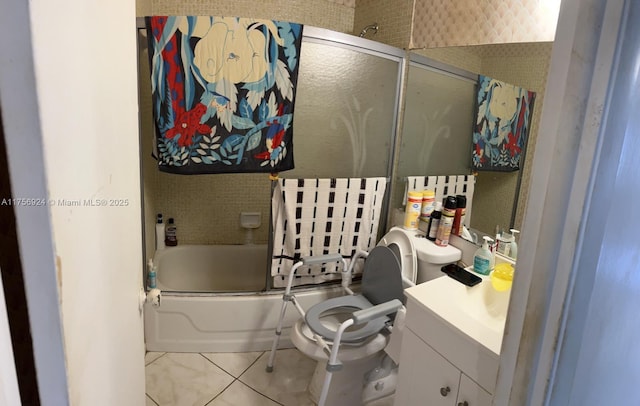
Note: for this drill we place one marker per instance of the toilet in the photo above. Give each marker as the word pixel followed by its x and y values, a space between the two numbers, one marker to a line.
pixel 419 260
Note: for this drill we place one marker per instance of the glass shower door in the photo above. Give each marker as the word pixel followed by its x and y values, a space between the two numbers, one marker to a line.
pixel 346 108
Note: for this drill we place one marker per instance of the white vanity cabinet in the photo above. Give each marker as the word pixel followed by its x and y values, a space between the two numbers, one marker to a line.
pixel 471 394
pixel 436 385
pixel 449 354
pixel 428 379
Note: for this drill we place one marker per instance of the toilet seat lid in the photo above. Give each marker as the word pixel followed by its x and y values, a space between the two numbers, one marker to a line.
pixel 400 240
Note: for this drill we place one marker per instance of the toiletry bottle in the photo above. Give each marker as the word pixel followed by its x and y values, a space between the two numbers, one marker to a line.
pixel 514 244
pixel 434 221
pixel 458 219
pixel 504 244
pixel 171 235
pixel 151 275
pixel 159 232
pixel 483 258
pixel 412 210
pixel 496 245
pixel 428 204
pixel 446 222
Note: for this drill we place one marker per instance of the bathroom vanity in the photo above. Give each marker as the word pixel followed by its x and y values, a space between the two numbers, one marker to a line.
pixel 451 344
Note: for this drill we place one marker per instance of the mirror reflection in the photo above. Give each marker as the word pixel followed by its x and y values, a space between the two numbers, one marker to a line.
pixel 438 122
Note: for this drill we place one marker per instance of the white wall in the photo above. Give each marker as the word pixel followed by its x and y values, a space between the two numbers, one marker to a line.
pixel 578 264
pixel 599 356
pixel 27 174
pixel 85 68
pixel 68 91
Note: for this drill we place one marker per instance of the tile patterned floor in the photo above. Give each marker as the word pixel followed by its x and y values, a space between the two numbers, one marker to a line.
pixel 229 379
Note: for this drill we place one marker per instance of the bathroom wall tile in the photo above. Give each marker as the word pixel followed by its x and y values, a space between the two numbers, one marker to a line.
pixel 288 382
pixel 239 394
pixel 233 363
pixel 178 379
pixel 393 19
pixel 151 356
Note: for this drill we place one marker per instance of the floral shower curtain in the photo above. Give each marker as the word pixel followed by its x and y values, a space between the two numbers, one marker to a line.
pixel 502 125
pixel 223 93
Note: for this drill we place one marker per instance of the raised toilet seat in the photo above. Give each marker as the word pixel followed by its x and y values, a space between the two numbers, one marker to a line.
pixel 400 259
pixel 342 305
pixel 361 347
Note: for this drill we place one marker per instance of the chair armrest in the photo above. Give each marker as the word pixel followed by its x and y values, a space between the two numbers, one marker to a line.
pixel 383 309
pixel 321 259
pixel 317 259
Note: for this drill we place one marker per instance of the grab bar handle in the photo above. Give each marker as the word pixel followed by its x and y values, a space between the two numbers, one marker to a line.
pixel 365 315
pixel 321 259
pixel 318 259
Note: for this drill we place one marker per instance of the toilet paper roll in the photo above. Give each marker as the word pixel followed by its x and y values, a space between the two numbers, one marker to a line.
pixel 154 297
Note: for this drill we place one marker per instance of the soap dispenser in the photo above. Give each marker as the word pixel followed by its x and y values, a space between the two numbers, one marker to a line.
pixel 514 244
pixel 483 258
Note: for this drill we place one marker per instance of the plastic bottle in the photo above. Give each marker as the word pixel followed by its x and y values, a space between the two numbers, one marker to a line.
pixel 483 258
pixel 458 220
pixel 151 275
pixel 159 232
pixel 446 222
pixel 496 246
pixel 504 244
pixel 171 234
pixel 428 204
pixel 514 244
pixel 412 210
pixel 434 222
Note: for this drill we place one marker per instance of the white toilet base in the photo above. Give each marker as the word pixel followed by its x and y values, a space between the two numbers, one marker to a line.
pixel 346 385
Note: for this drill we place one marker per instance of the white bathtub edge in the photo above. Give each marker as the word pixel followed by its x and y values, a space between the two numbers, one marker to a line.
pixel 223 323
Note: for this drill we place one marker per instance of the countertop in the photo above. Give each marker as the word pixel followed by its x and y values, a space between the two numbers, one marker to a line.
pixel 479 312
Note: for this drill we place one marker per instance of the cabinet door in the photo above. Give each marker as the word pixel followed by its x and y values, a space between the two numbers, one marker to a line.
pixel 471 394
pixel 424 377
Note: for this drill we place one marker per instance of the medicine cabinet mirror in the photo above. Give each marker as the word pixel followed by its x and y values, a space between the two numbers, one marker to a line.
pixel 439 112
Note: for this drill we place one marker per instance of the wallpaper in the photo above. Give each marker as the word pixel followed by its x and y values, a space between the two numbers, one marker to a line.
pixel 442 23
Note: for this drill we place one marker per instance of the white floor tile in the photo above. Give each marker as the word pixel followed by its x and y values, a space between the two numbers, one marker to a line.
pixel 287 384
pixel 234 363
pixel 177 379
pixel 238 394
pixel 152 356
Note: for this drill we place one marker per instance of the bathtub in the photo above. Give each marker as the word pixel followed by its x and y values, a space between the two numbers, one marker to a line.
pixel 238 316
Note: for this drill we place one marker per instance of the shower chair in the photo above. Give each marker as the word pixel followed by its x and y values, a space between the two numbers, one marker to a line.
pixel 380 298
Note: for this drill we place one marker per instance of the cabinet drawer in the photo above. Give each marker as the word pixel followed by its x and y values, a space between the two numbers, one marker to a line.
pixel 424 377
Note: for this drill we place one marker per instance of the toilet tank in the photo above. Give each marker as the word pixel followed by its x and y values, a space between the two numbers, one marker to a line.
pixel 432 257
